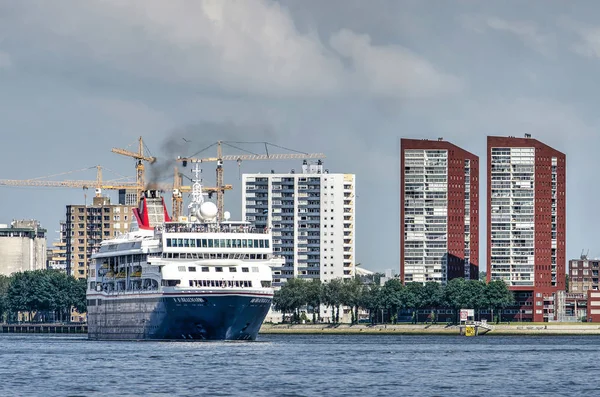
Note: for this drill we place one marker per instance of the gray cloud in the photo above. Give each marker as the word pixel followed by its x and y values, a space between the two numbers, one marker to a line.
pixel 249 47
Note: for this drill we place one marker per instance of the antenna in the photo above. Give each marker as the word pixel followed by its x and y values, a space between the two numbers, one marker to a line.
pixel 197 194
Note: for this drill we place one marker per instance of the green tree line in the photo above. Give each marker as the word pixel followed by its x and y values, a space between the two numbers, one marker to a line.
pixel 392 297
pixel 48 294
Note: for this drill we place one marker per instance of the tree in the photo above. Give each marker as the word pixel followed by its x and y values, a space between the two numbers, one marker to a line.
pixel 371 299
pixel 313 293
pixel 351 296
pixel 498 296
pixel 393 298
pixel 433 297
pixel 413 298
pixel 476 295
pixel 332 296
pixel 78 295
pixel 4 284
pixel 282 301
pixel 63 294
pixel 456 294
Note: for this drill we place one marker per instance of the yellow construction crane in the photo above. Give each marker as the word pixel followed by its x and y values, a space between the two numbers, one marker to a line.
pixel 220 189
pixel 98 184
pixel 139 168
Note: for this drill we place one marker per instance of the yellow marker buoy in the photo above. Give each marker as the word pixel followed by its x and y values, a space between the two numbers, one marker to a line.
pixel 470 330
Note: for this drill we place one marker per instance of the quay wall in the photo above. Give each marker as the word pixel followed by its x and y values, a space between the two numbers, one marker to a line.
pixel 43 329
pixel 422 329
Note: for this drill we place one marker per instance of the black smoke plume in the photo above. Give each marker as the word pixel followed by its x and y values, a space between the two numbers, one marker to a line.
pixel 194 140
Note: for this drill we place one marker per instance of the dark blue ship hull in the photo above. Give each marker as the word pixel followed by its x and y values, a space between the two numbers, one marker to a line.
pixel 198 316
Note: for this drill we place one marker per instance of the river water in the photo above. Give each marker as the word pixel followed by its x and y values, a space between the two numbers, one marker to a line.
pixel 294 365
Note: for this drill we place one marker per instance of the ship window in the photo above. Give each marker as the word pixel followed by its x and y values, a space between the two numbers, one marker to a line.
pixel 218 269
pixel 265 284
pixel 233 269
pixel 254 269
pixel 262 243
pixel 244 270
pixel 210 243
pixel 191 268
pixel 180 242
pixel 255 243
pixel 252 256
pixel 191 283
pixel 181 268
pixel 205 268
pixel 186 242
pixel 249 243
pixel 266 243
pixel 222 243
pixel 168 242
pixel 228 243
pixel 193 242
pixel 237 243
pixel 244 243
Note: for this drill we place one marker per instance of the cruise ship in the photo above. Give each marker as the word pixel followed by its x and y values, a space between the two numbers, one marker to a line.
pixel 196 278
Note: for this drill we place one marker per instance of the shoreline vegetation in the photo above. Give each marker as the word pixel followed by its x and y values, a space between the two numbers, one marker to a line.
pixel 512 329
pixel 299 300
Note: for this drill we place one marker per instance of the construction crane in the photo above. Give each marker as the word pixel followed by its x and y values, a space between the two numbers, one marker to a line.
pixel 239 158
pixel 139 168
pixel 178 189
pixel 98 184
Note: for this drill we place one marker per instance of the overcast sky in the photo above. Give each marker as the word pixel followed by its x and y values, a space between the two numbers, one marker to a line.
pixel 345 77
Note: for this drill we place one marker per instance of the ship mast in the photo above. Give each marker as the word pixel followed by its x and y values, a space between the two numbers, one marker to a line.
pixel 197 194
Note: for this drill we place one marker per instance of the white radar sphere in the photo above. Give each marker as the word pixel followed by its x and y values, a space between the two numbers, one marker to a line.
pixel 226 215
pixel 208 210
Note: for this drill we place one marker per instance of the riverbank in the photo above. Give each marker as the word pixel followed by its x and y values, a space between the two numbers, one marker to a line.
pixel 429 329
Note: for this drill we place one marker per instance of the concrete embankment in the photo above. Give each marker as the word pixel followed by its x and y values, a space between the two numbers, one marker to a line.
pixel 422 329
pixel 43 328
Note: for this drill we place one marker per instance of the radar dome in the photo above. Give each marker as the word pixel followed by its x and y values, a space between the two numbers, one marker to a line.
pixel 226 215
pixel 208 210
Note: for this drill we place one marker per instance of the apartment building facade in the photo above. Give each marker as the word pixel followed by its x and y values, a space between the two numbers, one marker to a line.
pixel 583 275
pixel 85 228
pixel 311 214
pixel 439 227
pixel 526 217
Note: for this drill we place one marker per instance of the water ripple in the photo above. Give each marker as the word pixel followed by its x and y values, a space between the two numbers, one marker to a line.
pixel 288 365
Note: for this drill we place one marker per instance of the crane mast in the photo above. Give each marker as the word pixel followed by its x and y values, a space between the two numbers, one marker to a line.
pixel 140 173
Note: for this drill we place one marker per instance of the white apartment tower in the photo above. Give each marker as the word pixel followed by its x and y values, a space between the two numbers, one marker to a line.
pixel 312 216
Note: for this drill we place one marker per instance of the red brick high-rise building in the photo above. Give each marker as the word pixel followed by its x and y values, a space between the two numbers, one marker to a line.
pixel 526 189
pixel 439 226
